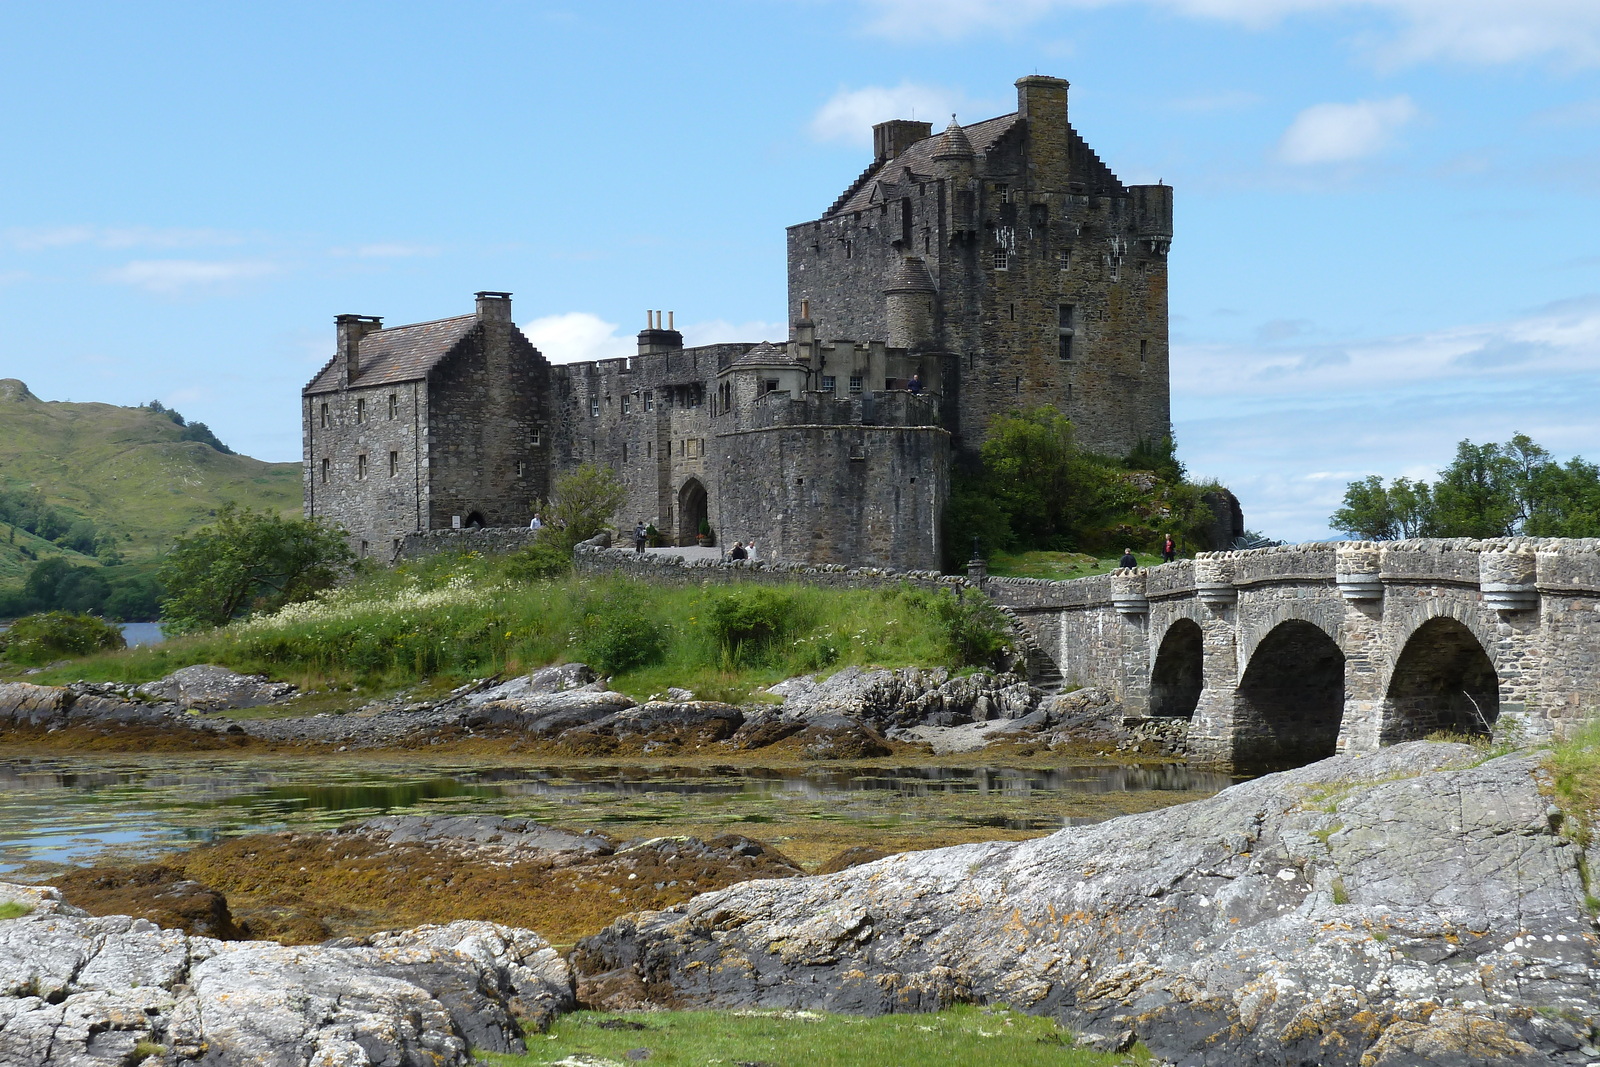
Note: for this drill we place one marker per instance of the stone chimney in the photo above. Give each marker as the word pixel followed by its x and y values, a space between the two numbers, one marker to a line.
pixel 494 307
pixel 891 138
pixel 1042 102
pixel 654 339
pixel 351 329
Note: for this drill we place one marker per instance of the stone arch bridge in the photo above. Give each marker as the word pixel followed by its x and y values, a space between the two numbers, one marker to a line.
pixel 1279 656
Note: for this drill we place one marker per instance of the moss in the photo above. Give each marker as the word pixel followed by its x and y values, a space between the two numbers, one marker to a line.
pixel 15 909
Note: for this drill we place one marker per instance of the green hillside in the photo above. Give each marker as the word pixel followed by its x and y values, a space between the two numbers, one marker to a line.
pixel 127 471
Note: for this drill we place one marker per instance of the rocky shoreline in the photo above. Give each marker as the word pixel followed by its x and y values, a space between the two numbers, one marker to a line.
pixel 567 710
pixel 1421 905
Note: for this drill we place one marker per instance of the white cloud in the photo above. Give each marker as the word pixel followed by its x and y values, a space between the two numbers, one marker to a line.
pixel 1342 133
pixel 578 336
pixel 1471 31
pixel 38 238
pixel 849 114
pixel 176 275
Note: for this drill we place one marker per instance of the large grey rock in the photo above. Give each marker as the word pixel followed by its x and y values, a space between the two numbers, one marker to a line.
pixel 482 836
pixel 1414 906
pixel 78 991
pixel 972 736
pixel 907 697
pixel 542 682
pixel 211 688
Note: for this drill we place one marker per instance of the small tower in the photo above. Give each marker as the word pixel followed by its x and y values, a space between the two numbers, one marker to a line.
pixel 910 292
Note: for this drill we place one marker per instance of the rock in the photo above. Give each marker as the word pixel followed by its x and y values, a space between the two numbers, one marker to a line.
pixel 546 714
pixel 851 857
pixel 25 704
pixel 79 991
pixel 1411 906
pixel 679 695
pixel 154 892
pixel 906 697
pixel 482 836
pixel 827 737
pixel 542 682
pixel 764 728
pixel 211 688
pixel 657 724
pixel 972 736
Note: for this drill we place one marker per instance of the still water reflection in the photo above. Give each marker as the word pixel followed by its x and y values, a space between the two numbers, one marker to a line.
pixel 67 810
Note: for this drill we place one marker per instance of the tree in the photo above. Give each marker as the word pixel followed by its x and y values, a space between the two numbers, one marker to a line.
pixel 1367 513
pixel 1476 495
pixel 247 560
pixel 585 500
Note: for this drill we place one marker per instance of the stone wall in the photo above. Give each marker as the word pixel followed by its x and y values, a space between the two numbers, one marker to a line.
pixel 674 570
pixel 365 461
pixel 486 541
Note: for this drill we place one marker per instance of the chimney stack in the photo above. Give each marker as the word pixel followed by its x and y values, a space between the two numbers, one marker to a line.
pixel 655 339
pixel 494 307
pixel 351 329
pixel 891 138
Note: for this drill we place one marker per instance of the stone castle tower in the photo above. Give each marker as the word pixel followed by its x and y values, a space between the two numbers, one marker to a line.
pixel 993 267
pixel 1009 251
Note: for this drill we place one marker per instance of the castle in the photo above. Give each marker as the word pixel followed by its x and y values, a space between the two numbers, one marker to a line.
pixel 993 267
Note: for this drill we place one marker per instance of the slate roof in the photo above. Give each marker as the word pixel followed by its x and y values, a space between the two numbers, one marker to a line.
pixel 767 354
pixel 402 354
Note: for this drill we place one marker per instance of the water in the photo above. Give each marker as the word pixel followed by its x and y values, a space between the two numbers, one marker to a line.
pixel 57 811
pixel 142 633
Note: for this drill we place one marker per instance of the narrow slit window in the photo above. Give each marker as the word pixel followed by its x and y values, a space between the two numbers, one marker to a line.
pixel 649 400
pixel 361 466
pixel 1066 328
pixel 324 416
pixel 394 464
pixel 361 411
pixel 627 404
pixel 1144 352
pixel 394 406
pixel 594 407
pixel 326 464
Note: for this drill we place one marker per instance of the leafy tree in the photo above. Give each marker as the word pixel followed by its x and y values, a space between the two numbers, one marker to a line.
pixel 1367 513
pixel 36 639
pixel 246 560
pixel 585 500
pixel 1477 494
pixel 199 431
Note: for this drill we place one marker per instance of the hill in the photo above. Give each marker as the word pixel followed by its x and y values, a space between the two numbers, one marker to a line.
pixel 125 469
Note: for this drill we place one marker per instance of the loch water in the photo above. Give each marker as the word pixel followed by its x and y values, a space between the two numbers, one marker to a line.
pixel 57 811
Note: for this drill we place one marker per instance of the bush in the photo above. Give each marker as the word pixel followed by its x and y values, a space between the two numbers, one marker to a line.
pixel 616 635
pixel 745 622
pixel 545 558
pixel 37 639
pixel 978 633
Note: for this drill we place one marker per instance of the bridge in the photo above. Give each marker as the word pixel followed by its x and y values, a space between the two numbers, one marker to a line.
pixel 1280 656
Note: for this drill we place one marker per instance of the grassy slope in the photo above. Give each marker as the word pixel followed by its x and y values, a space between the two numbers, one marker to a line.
pixel 1058 566
pixel 126 469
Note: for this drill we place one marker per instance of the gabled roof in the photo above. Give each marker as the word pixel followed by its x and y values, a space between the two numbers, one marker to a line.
pixel 918 158
pixel 766 354
pixel 403 354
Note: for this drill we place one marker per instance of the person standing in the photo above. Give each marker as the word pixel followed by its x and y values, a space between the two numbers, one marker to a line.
pixel 639 538
pixel 535 523
pixel 738 551
pixel 1128 560
pixel 1169 550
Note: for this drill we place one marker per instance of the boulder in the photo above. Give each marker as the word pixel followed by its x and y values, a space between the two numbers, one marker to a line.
pixel 154 892
pixel 78 991
pixel 906 697
pixel 483 836
pixel 542 682
pixel 1417 905
pixel 25 704
pixel 656 724
pixel 206 687
pixel 973 736
pixel 829 737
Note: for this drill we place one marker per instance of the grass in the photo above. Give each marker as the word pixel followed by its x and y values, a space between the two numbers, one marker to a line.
pixel 1058 566
pixel 454 617
pixel 958 1037
pixel 126 469
pixel 15 909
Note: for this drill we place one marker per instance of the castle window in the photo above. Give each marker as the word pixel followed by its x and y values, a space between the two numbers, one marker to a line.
pixel 1002 259
pixel 361 466
pixel 361 411
pixel 849 249
pixel 364 548
pixel 627 404
pixel 770 385
pixel 855 384
pixel 1064 259
pixel 1011 312
pixel 394 406
pixel 829 384
pixel 594 407
pixel 649 449
pixel 536 439
pixel 1066 328
pixel 1069 390
pixel 624 451
pixel 325 465
pixel 1144 352
pixel 394 464
pixel 1115 264
pixel 324 416
pixel 522 467
pixel 1003 192
pixel 649 400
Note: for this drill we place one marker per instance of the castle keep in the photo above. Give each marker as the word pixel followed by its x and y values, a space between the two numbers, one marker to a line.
pixel 993 267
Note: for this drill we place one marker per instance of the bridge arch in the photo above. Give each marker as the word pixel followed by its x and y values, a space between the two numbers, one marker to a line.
pixel 1442 680
pixel 1289 703
pixel 1178 675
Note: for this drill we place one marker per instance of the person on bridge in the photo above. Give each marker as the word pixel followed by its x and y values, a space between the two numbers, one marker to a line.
pixel 1128 560
pixel 1169 550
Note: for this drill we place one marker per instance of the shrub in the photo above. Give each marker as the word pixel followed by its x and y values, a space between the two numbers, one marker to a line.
pixel 978 633
pixel 545 558
pixel 616 635
pixel 745 622
pixel 36 639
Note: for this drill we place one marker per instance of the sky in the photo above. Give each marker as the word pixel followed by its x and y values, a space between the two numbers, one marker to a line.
pixel 1387 221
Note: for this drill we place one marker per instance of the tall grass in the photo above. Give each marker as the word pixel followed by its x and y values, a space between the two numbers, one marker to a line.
pixel 450 618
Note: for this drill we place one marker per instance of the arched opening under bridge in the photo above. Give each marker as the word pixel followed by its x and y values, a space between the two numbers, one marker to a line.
pixel 1289 704
pixel 1443 682
pixel 1179 675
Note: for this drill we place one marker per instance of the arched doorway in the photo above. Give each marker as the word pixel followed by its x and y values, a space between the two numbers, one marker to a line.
pixel 691 510
pixel 1178 677
pixel 1289 703
pixel 474 521
pixel 1443 681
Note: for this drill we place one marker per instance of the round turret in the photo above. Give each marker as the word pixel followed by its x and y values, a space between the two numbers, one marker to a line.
pixel 953 143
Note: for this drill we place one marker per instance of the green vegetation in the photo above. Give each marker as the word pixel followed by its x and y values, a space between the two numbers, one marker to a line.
pixel 957 1037
pixel 14 909
pixel 1488 490
pixel 36 639
pixel 127 592
pixel 1059 566
pixel 1035 489
pixel 453 617
pixel 247 560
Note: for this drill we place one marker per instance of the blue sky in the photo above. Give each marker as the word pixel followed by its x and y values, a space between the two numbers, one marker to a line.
pixel 1387 211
